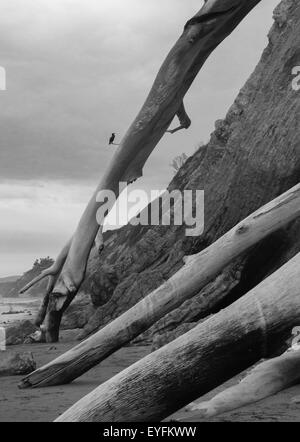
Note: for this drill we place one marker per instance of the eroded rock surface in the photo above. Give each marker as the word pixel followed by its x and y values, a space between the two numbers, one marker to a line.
pixel 253 156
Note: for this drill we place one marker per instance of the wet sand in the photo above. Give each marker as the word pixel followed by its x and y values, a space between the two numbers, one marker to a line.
pixel 43 405
pixel 46 404
pixel 26 307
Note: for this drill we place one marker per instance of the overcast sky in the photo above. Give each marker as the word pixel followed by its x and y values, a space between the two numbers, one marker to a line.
pixel 78 70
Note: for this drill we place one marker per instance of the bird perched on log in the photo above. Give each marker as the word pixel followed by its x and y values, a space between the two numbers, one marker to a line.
pixel 112 138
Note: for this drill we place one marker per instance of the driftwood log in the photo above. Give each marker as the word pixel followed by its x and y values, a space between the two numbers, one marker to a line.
pixel 266 379
pixel 194 275
pixel 201 35
pixel 200 360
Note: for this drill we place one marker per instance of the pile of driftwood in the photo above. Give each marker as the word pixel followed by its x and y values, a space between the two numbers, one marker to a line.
pixel 224 345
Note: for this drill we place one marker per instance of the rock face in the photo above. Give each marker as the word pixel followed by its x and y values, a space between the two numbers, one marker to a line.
pixel 78 313
pixel 252 157
pixel 11 289
pixel 14 364
pixel 18 333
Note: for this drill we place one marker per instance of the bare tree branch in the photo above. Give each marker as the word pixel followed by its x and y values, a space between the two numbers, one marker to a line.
pixel 184 120
pixel 211 353
pixel 201 35
pixel 199 269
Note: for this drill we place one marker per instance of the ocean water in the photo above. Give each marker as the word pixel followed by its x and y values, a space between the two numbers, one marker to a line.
pixel 27 307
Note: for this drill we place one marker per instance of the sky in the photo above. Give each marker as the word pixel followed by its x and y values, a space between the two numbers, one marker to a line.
pixel 78 70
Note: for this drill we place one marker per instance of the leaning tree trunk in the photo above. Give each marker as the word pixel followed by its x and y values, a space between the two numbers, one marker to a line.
pixel 266 379
pixel 252 157
pixel 202 34
pixel 197 272
pixel 197 362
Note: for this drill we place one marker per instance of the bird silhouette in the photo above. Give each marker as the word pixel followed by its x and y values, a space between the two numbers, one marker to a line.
pixel 112 138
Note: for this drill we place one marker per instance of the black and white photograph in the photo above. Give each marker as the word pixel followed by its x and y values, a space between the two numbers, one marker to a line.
pixel 149 214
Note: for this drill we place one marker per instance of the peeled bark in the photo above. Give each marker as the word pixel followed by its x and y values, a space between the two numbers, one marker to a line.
pixel 266 379
pixel 197 272
pixel 200 360
pixel 202 34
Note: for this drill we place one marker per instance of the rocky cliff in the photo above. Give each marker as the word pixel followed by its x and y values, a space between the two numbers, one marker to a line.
pixel 11 290
pixel 253 156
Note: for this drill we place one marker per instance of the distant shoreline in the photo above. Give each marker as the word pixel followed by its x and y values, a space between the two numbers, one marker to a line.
pixel 25 307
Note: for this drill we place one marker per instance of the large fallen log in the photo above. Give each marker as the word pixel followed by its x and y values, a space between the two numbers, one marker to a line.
pixel 197 272
pixel 266 379
pixel 200 360
pixel 201 35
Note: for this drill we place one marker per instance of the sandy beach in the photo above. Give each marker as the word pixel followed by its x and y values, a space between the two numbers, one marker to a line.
pixel 44 405
pixel 25 307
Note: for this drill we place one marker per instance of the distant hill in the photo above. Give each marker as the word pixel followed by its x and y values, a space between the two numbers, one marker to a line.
pixel 252 157
pixel 10 286
pixel 9 279
pixel 7 284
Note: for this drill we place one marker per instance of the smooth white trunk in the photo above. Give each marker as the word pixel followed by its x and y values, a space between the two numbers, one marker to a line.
pixel 194 275
pixel 201 35
pixel 200 360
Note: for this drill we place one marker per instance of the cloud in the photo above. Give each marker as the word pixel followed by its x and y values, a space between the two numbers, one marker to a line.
pixel 36 219
pixel 75 74
pixel 77 71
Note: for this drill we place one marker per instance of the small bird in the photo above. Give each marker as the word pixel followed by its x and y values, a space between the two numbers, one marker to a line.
pixel 112 138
